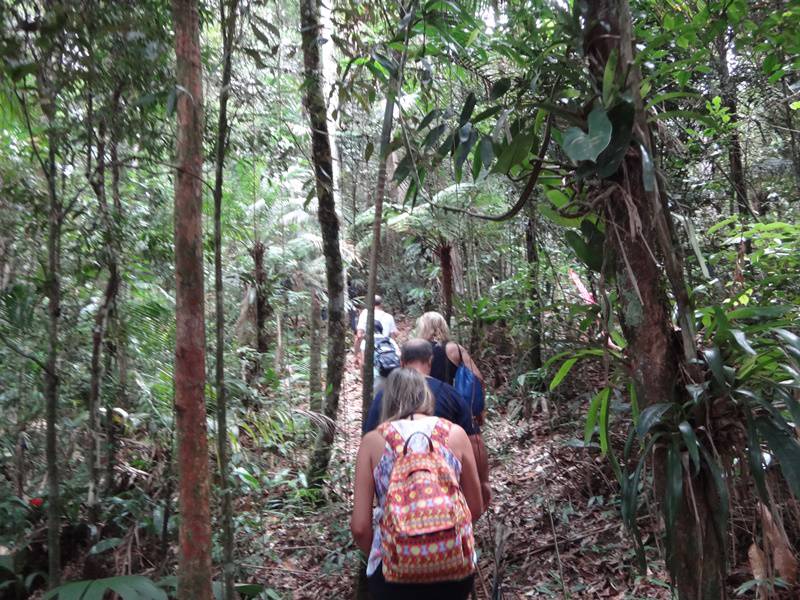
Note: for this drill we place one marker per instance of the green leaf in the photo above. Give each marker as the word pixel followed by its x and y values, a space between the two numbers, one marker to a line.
pixel 579 145
pixel 741 339
pixel 434 135
pixel 466 111
pixel 368 151
pixel 786 448
pixel 648 170
pixel 609 76
pixel 723 507
pixel 714 360
pixel 692 445
pixel 622 117
pixel 652 416
pixel 591 417
pixel 604 402
pixel 562 372
pixel 674 494
pixel 485 114
pixel 788 337
pixel 499 88
pixel 755 458
pixel 486 151
pixel 69 591
pixel 104 545
pixel 428 118
pixel 588 255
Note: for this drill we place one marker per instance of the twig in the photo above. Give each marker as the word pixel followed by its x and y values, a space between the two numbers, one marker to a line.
pixel 483 582
pixel 558 553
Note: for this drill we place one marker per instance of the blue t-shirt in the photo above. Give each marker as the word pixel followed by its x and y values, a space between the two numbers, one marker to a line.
pixel 449 405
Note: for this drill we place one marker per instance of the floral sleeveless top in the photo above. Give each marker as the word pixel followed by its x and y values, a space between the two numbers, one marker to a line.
pixel 383 471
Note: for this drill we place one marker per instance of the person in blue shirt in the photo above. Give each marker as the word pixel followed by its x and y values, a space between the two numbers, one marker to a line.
pixel 417 354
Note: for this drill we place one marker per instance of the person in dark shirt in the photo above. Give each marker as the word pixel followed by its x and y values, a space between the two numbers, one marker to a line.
pixel 417 354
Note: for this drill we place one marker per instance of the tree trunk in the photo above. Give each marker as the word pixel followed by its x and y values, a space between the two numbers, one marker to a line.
pixel 51 379
pixel 98 182
pixel 697 558
pixel 728 92
pixel 315 354
pixel 372 280
pixel 446 267
pixel 314 101
pixel 228 26
pixel 194 566
pixel 532 256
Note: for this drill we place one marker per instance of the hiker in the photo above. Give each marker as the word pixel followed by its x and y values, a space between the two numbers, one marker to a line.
pixel 388 328
pixel 448 356
pixel 417 354
pixel 419 550
pixel 385 350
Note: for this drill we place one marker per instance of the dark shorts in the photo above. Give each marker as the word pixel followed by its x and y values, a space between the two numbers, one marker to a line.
pixel 380 589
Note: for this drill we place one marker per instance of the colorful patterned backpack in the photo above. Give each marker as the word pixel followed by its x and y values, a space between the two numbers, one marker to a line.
pixel 426 525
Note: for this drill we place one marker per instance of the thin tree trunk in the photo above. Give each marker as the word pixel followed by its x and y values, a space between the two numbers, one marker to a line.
pixel 51 379
pixel 315 354
pixel 532 256
pixel 657 357
pixel 119 327
pixel 314 101
pixel 228 26
pixel 194 566
pixel 372 279
pixel 729 100
pixel 446 267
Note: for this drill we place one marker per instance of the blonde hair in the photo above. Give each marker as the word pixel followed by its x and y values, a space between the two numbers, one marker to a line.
pixel 432 326
pixel 406 392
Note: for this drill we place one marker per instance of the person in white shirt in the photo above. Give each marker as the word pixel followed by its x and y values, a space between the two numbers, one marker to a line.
pixel 387 328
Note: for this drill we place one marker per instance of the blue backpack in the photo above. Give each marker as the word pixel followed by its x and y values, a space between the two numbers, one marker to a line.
pixel 469 387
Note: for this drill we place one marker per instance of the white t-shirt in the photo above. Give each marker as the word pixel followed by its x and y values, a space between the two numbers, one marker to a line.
pixel 386 320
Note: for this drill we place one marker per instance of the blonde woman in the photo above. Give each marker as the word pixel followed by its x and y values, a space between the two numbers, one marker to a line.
pixel 447 355
pixel 408 406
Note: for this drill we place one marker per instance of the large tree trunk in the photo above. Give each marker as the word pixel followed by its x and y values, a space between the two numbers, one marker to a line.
pixel 657 356
pixel 228 26
pixel 194 567
pixel 372 281
pixel 314 101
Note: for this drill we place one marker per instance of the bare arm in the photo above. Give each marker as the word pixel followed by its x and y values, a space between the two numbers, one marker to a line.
pixel 457 352
pixel 470 484
pixel 357 346
pixel 364 491
pixel 482 463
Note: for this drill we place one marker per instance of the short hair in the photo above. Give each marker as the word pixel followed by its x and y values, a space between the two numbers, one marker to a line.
pixel 377 301
pixel 416 350
pixel 432 326
pixel 406 392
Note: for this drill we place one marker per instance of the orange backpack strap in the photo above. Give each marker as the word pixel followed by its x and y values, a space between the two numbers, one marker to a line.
pixel 392 437
pixel 441 431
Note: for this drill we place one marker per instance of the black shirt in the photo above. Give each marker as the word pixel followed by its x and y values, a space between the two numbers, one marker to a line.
pixel 449 405
pixel 441 367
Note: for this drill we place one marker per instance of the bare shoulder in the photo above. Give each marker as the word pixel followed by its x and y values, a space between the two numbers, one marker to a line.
pixel 458 437
pixel 372 445
pixel 454 352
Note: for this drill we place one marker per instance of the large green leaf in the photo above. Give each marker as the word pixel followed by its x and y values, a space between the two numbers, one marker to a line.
pixel 651 416
pixel 579 145
pixel 785 446
pixel 129 587
pixel 562 372
pixel 621 116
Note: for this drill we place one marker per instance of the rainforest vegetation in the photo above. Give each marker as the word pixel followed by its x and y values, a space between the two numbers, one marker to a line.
pixel 198 196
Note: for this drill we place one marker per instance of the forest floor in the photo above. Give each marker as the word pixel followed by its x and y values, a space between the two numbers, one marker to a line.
pixel 553 529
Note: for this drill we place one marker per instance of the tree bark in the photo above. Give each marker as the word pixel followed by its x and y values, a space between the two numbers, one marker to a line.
pixel 51 378
pixel 315 354
pixel 228 26
pixel 657 356
pixel 314 101
pixel 194 566
pixel 446 266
